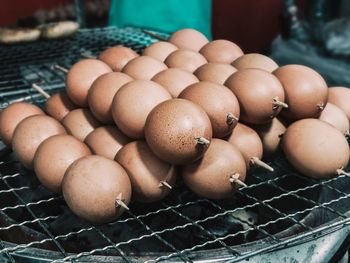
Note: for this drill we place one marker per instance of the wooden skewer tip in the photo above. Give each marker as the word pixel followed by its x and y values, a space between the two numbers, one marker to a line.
pixel 40 90
pixel 278 103
pixel 230 119
pixel 165 184
pixel 256 161
pixel 234 178
pixel 62 69
pixel 202 140
pixel 120 202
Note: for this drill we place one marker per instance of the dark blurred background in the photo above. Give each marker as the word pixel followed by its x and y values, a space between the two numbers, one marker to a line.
pixel 311 32
pixel 230 19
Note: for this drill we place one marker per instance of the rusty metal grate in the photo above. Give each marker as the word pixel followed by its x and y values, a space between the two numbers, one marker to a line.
pixel 274 211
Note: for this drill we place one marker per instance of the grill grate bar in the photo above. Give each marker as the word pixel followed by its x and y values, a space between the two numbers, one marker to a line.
pixel 10 175
pixel 275 209
pixel 180 205
pixel 309 200
pixel 13 190
pixel 152 234
pixel 264 232
pixel 42 219
pixel 24 246
pixel 31 203
pixel 122 254
pixel 179 253
pixel 8 255
pixel 258 227
pixel 209 233
pixel 326 183
pixel 311 235
pixel 61 249
pixel 23 65
pixel 235 234
pixel 158 211
pixel 68 235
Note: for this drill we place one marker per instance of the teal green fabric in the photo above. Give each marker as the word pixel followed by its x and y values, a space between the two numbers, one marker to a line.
pixel 163 15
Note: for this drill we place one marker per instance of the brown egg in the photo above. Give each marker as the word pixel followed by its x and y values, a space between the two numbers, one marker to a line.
pixel 335 117
pixel 214 72
pixel 58 105
pixel 117 57
pixel 315 148
pixel 14 114
pixel 106 141
pixel 340 96
pixel 151 178
pixel 188 38
pixel 221 51
pixel 144 67
pixel 132 104
pixel 270 135
pixel 178 131
pixel 218 102
pixel 175 80
pixel 255 60
pixel 248 143
pixel 185 59
pixel 159 50
pixel 80 77
pixel 214 175
pixel 30 133
pixel 305 89
pixel 259 94
pixel 53 157
pixel 79 123
pixel 102 92
pixel 93 187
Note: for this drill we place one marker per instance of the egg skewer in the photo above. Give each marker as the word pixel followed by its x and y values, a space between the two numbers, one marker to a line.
pixel 220 172
pixel 315 148
pixel 78 122
pixel 260 94
pixel 54 184
pixel 57 105
pixel 151 178
pixel 250 145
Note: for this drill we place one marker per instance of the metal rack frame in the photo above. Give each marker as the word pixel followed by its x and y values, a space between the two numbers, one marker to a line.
pixel 292 209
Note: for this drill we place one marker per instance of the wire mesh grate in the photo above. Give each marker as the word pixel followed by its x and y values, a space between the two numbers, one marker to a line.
pixel 275 209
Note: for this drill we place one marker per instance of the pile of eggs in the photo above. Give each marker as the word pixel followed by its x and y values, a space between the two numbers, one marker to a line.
pixel 127 125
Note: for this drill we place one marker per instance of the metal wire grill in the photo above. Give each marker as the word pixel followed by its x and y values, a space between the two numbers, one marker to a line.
pixel 275 210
